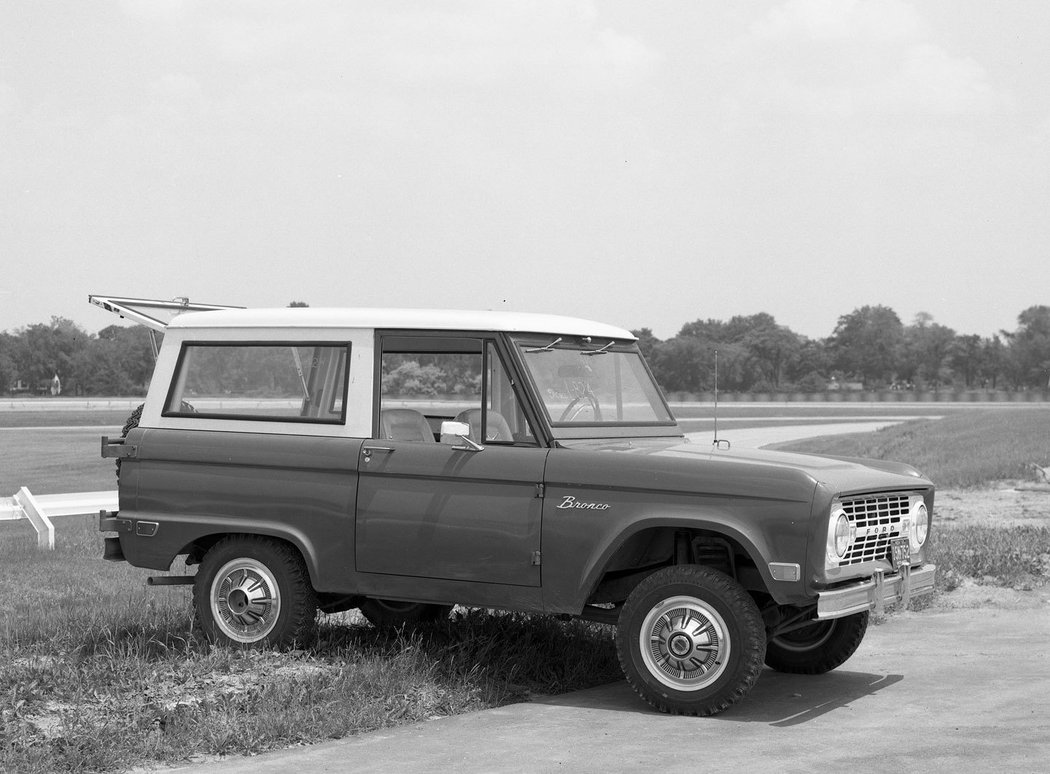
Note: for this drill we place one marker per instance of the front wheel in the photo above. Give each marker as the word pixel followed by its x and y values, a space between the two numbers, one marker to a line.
pixel 690 640
pixel 254 592
pixel 818 647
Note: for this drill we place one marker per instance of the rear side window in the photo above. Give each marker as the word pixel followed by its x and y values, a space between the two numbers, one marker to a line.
pixel 300 382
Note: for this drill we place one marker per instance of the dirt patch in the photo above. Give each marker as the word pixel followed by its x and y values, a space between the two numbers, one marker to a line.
pixel 971 594
pixel 1005 504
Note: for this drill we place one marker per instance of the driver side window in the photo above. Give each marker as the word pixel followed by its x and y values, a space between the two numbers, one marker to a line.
pixel 427 380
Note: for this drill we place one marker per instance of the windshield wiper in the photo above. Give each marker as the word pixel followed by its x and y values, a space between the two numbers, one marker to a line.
pixel 601 351
pixel 548 348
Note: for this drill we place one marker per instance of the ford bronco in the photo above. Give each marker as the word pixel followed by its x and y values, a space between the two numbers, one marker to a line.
pixel 405 461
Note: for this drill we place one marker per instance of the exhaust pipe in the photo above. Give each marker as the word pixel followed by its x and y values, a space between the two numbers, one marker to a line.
pixel 170 580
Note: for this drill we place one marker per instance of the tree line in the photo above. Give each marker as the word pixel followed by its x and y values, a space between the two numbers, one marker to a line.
pixel 869 349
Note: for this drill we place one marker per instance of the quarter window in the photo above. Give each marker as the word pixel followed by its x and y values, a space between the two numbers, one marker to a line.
pixel 301 382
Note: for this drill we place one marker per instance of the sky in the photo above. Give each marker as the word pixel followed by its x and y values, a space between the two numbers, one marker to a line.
pixel 642 164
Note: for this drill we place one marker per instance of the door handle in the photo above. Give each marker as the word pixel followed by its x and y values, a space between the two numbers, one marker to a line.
pixel 368 451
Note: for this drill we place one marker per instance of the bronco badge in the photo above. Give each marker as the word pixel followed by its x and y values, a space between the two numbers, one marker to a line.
pixel 571 502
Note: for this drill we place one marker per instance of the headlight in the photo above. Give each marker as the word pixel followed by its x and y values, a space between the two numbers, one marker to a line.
pixel 842 540
pixel 841 534
pixel 920 524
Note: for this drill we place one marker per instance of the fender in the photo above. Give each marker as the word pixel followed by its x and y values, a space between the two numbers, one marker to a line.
pixel 175 536
pixel 577 550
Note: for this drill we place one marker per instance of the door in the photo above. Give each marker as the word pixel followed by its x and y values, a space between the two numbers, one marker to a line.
pixel 437 507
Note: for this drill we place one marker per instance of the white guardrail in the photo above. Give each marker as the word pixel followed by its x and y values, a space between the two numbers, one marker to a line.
pixel 40 509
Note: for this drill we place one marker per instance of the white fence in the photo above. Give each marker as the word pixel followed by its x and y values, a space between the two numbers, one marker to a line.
pixel 40 509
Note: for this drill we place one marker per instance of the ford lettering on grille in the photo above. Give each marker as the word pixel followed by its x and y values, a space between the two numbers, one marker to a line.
pixel 877 519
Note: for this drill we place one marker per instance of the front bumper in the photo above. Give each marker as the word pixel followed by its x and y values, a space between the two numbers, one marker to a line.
pixel 877 592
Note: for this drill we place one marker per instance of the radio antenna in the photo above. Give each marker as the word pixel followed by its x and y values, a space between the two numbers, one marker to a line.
pixel 716 398
pixel 717 442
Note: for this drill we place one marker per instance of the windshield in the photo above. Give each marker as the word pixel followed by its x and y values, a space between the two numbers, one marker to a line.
pixel 581 382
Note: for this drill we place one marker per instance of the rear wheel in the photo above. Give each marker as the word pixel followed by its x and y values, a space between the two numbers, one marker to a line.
pixel 254 592
pixel 817 648
pixel 690 640
pixel 391 614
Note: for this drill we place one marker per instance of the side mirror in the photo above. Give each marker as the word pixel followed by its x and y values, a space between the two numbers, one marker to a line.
pixel 454 432
pixel 458 434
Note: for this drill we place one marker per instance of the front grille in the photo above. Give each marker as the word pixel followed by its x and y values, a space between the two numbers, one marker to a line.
pixel 877 519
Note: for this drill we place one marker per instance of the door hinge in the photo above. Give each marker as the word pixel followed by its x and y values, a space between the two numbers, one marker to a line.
pixel 541 490
pixel 537 559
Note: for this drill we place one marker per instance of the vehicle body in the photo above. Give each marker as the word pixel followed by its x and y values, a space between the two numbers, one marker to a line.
pixel 404 461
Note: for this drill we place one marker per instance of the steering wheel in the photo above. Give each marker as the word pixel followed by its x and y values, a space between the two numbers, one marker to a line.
pixel 580 404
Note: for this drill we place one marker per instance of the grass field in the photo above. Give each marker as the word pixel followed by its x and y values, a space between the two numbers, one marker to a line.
pixel 56 452
pixel 100 673
pixel 964 449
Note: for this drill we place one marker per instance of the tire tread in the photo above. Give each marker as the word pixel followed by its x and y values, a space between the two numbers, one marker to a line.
pixel 300 598
pixel 750 640
pixel 843 643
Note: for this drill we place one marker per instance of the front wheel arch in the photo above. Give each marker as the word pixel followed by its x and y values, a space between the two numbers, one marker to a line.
pixel 619 574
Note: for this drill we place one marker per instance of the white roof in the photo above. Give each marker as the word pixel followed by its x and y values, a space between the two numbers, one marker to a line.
pixel 421 319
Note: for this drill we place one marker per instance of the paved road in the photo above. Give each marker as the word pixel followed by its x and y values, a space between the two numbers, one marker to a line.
pixel 931 692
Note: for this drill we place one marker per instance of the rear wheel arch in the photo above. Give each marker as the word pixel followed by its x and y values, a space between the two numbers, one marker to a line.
pixel 196 549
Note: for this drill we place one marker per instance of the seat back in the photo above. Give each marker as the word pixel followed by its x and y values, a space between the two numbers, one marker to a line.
pixel 498 429
pixel 404 425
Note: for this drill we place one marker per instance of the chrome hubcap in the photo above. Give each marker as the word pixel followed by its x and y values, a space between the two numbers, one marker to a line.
pixel 684 643
pixel 245 600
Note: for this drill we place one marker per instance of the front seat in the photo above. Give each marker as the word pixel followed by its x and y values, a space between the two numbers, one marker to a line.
pixel 404 425
pixel 498 429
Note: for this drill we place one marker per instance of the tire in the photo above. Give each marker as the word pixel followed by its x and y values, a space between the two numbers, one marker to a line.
pixel 690 640
pixel 817 648
pixel 130 423
pixel 254 592
pixel 390 614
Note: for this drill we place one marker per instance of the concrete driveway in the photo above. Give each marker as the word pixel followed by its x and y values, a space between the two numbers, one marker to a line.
pixel 958 690
pixel 756 437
